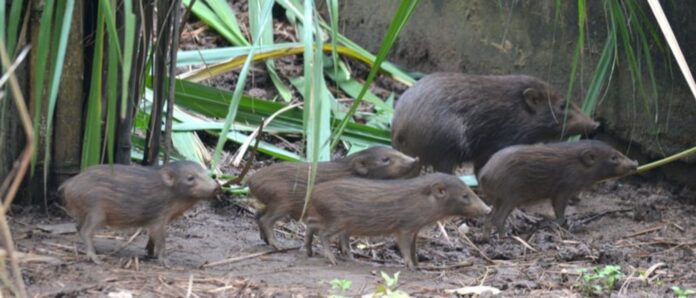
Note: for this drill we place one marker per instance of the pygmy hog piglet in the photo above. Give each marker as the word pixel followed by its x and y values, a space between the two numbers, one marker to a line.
pixel 527 173
pixel 449 118
pixel 123 196
pixel 282 187
pixel 363 207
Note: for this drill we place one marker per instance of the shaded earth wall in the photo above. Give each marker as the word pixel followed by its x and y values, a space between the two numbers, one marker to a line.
pixel 503 37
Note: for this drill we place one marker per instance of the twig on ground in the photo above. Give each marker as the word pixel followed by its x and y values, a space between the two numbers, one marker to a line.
pixel 444 233
pixel 524 243
pixel 251 256
pixel 645 231
pixel 485 275
pixel 472 245
pixel 446 267
pixel 71 290
pixel 130 240
pixel 593 217
pixel 189 290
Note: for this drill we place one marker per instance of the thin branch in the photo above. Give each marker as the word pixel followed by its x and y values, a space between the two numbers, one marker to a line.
pixel 25 157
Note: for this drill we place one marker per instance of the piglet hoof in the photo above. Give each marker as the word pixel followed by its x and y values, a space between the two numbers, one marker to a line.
pixel 95 259
pixel 163 262
pixel 332 260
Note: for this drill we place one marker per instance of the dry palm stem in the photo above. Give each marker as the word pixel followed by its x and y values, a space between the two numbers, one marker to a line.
pixel 21 171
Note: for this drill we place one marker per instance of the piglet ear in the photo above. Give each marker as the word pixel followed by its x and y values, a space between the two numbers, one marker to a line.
pixel 588 158
pixel 168 177
pixel 532 99
pixel 438 190
pixel 360 166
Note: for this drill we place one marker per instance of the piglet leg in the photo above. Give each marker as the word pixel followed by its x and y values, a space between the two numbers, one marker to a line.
pixel 158 234
pixel 324 236
pixel 405 242
pixel 88 227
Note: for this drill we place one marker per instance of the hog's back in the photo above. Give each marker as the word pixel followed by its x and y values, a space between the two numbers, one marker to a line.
pixel 123 195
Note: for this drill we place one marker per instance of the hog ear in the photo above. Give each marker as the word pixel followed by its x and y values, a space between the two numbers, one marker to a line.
pixel 360 166
pixel 588 158
pixel 168 177
pixel 439 190
pixel 532 99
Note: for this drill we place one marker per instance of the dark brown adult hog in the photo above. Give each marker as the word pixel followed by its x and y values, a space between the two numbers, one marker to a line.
pixel 282 187
pixel 449 118
pixel 364 207
pixel 526 173
pixel 123 196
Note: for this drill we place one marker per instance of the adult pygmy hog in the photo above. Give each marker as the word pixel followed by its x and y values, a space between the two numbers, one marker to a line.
pixel 448 118
pixel 364 207
pixel 526 173
pixel 282 187
pixel 134 196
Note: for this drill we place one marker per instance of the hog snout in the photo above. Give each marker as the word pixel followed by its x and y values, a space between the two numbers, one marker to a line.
pixel 632 166
pixel 478 207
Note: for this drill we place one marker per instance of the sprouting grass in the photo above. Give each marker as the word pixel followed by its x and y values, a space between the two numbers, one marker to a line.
pixel 599 280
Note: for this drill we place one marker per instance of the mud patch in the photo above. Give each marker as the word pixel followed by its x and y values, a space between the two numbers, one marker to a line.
pixel 215 250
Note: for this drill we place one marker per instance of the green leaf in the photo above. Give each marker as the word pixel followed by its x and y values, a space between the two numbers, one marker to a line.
pixel 65 17
pixel 218 55
pixel 266 37
pixel 212 102
pixel 400 18
pixel 128 44
pixel 92 137
pixel 13 26
pixel 236 97
pixel 111 86
pixel 44 45
pixel 218 15
pixel 295 9
pixel 333 16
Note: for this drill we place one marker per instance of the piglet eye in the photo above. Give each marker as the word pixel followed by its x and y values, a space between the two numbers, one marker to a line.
pixel 190 178
pixel 386 160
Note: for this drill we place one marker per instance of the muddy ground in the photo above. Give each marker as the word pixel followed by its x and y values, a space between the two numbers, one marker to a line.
pixel 215 250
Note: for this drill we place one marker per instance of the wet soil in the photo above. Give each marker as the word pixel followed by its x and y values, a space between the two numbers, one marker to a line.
pixel 215 250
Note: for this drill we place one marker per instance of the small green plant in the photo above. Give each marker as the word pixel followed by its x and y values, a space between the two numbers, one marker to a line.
pixel 683 293
pixel 339 287
pixel 388 288
pixel 599 280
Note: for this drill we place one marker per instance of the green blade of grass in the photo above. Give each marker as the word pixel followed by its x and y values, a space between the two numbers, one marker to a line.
pixel 577 53
pixel 208 11
pixel 212 102
pixel 295 9
pixel 400 18
pixel 235 62
pixel 333 16
pixel 92 134
pixel 65 18
pixel 236 97
pixel 606 60
pixel 2 21
pixel 187 144
pixel 218 55
pixel 110 18
pixel 266 37
pixel 621 21
pixel 111 85
pixel 187 123
pixel 312 107
pixel 13 26
pixel 128 43
pixel 44 45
